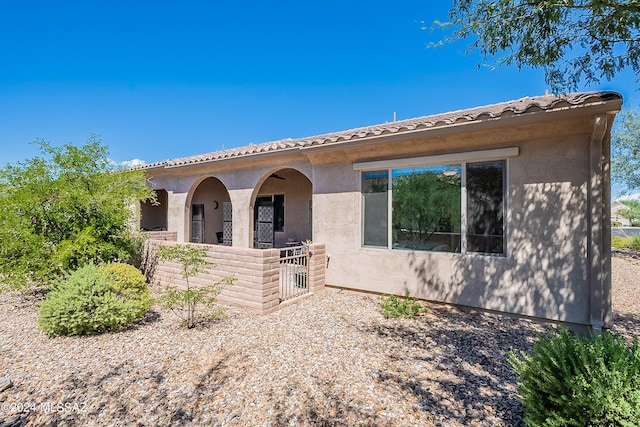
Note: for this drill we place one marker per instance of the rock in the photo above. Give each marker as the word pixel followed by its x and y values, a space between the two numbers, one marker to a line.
pixel 13 419
pixel 5 383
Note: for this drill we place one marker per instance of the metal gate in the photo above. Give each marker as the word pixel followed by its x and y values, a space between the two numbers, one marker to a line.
pixel 197 223
pixel 294 272
pixel 227 223
pixel 264 233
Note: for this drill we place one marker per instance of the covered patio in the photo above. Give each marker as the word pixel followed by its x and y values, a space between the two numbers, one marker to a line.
pixel 261 238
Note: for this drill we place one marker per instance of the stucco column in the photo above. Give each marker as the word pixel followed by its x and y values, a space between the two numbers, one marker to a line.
pixel 178 214
pixel 599 248
pixel 317 266
pixel 242 217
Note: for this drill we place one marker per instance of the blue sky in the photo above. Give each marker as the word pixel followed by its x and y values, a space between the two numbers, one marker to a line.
pixel 158 80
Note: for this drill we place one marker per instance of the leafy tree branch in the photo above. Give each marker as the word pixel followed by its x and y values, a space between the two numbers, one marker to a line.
pixel 573 41
pixel 63 209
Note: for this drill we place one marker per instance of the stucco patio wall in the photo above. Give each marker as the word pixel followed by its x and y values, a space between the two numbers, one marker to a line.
pixel 255 272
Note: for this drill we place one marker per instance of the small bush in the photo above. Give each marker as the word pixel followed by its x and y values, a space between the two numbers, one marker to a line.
pixel 185 302
pixel 617 242
pixel 630 242
pixel 580 381
pixel 129 284
pixel 88 302
pixel 399 307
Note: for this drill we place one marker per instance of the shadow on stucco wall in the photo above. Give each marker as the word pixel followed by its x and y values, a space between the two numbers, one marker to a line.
pixel 545 270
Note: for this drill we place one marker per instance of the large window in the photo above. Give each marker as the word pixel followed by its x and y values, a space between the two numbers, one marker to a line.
pixel 427 205
pixel 374 189
pixel 485 207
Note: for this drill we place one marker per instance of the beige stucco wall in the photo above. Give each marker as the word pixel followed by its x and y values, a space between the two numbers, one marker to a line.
pixel 243 181
pixel 545 271
pixel 555 210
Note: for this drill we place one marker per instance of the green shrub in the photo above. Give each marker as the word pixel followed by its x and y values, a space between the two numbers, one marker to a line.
pixel 129 284
pixel 580 381
pixel 634 242
pixel 185 302
pixel 68 207
pixel 89 302
pixel 617 242
pixel 630 242
pixel 399 307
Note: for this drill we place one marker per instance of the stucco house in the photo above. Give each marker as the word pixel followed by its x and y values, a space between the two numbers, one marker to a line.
pixel 503 207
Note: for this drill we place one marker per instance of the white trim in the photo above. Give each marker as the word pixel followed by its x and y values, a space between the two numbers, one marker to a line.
pixel 463 209
pixel 469 156
pixel 389 209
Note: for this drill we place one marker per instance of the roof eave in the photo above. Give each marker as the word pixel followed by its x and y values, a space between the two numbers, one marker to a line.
pixel 232 158
pixel 601 107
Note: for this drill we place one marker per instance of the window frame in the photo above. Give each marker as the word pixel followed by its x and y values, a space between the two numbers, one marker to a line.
pixel 501 154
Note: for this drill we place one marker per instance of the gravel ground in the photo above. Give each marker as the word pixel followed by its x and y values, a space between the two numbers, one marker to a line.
pixel 330 360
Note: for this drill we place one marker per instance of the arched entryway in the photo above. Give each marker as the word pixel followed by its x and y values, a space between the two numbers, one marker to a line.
pixel 153 217
pixel 210 213
pixel 282 209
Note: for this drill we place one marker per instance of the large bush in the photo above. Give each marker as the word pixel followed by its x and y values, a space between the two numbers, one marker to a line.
pixel 580 381
pixel 93 300
pixel 63 210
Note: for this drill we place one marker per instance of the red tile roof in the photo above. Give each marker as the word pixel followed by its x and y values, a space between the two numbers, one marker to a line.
pixel 504 109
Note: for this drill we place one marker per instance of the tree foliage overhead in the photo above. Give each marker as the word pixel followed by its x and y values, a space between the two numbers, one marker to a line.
pixel 66 208
pixel 572 40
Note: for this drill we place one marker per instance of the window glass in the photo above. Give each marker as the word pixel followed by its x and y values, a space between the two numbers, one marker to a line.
pixel 485 207
pixel 426 208
pixel 278 212
pixel 375 185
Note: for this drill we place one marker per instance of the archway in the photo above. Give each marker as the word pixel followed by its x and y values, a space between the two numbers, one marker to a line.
pixel 154 217
pixel 210 213
pixel 282 209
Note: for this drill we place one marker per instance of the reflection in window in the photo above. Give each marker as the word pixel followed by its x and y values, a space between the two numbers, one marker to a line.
pixel 426 208
pixel 485 212
pixel 374 191
pixel 278 212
